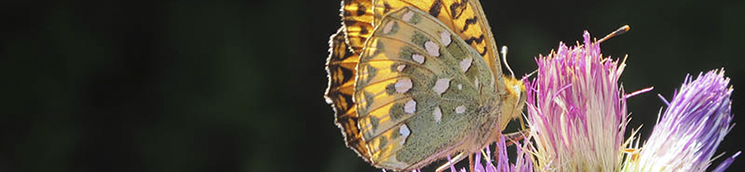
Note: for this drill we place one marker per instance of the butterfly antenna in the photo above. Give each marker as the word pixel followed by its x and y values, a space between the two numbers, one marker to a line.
pixel 623 29
pixel 504 60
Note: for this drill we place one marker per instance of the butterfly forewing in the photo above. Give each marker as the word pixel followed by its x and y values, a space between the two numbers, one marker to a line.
pixel 420 92
pixel 357 20
pixel 341 66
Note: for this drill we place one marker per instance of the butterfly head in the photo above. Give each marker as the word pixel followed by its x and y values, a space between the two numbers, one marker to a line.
pixel 513 100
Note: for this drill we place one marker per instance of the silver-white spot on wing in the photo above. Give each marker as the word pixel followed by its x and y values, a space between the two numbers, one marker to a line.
pixel 445 36
pixel 405 132
pixel 418 58
pixel 400 68
pixel 437 113
pixel 388 27
pixel 432 48
pixel 441 85
pixel 410 106
pixel 403 85
pixel 407 16
pixel 465 64
pixel 460 109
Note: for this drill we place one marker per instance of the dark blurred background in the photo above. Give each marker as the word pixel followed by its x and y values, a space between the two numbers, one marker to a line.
pixel 238 85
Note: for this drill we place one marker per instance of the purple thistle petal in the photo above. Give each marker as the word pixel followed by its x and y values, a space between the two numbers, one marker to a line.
pixel 723 166
pixel 477 167
pixel 691 128
pixel 490 166
pixel 523 162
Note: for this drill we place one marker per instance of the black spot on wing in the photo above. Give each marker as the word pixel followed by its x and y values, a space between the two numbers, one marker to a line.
pixel 363 30
pixel 474 39
pixel 482 53
pixel 347 13
pixel 361 9
pixel 478 40
pixel 387 8
pixel 456 9
pixel 346 72
pixel 348 125
pixel 349 21
pixel 469 22
pixel 342 102
pixel 434 9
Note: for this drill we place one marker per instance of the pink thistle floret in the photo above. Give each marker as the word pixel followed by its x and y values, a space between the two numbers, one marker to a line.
pixel 577 110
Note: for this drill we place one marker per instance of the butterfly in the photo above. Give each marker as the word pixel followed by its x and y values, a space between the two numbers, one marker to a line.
pixel 412 82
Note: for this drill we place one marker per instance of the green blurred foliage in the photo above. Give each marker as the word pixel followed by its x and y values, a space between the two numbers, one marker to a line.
pixel 238 85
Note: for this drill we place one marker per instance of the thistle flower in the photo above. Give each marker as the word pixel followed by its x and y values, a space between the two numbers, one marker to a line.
pixel 576 110
pixel 523 163
pixel 577 116
pixel 691 128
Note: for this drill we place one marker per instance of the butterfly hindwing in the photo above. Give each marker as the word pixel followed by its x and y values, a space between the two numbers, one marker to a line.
pixel 464 17
pixel 421 92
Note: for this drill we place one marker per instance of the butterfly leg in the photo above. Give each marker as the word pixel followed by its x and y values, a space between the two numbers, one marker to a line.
pixel 518 135
pixel 451 162
pixel 470 162
pixel 511 139
pixel 515 137
pixel 522 123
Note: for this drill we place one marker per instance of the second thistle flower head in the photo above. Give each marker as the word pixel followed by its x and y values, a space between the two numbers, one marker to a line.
pixel 695 122
pixel 576 110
